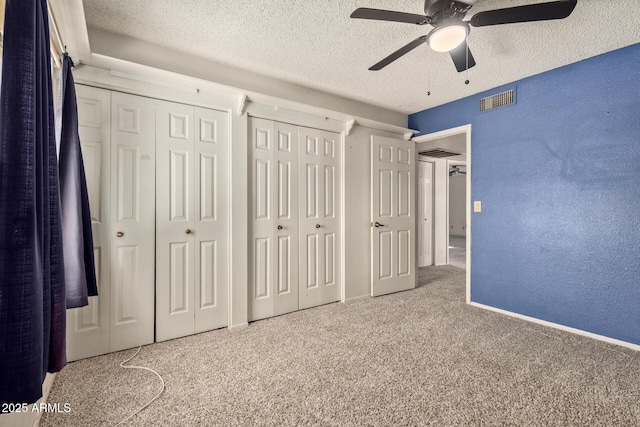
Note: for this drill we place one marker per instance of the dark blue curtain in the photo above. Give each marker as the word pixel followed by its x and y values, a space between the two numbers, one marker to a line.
pixel 32 294
pixel 79 265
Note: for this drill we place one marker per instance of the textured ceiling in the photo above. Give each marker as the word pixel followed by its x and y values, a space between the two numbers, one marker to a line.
pixel 315 43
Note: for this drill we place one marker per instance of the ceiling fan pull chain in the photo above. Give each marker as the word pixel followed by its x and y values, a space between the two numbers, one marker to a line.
pixel 429 73
pixel 467 67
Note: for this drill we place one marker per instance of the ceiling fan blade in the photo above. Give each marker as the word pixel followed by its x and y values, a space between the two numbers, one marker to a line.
pixel 398 53
pixel 459 56
pixel 389 15
pixel 527 13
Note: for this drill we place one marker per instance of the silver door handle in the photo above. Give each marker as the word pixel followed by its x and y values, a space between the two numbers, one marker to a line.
pixel 377 224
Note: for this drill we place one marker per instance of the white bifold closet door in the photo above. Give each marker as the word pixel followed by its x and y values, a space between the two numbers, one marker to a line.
pixel 294 218
pixel 117 133
pixel 273 283
pixel 192 233
pixel 319 176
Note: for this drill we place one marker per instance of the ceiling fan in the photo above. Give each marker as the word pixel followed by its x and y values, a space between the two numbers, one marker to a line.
pixel 455 170
pixel 450 31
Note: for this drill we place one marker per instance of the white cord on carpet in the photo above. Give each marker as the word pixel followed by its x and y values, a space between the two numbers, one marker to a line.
pixel 146 369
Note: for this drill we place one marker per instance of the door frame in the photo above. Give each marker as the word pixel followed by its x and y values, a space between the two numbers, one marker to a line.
pixel 465 130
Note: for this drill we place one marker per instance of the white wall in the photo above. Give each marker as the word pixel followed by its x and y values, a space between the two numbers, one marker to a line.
pixel 357 213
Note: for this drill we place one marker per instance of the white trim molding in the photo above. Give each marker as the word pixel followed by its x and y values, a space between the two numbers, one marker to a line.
pixel 349 125
pixel 239 326
pixel 242 102
pixel 138 78
pixel 558 326
pixel 443 133
pixel 358 298
pixel 72 29
pixel 343 214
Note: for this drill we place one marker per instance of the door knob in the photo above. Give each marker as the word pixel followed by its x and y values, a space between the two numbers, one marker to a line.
pixel 187 231
pixel 317 225
pixel 280 227
pixel 377 224
pixel 119 234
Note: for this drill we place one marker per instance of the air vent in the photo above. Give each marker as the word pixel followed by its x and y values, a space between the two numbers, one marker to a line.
pixel 439 152
pixel 497 100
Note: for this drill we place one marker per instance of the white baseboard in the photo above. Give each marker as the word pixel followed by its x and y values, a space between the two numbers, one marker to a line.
pixel 239 326
pixel 558 326
pixel 352 299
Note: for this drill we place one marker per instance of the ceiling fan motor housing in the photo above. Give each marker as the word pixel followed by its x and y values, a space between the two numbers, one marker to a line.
pixel 439 11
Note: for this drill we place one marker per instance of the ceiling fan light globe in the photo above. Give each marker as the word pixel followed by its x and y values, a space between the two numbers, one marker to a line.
pixel 447 37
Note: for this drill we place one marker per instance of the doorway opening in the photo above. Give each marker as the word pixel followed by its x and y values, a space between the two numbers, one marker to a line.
pixel 449 152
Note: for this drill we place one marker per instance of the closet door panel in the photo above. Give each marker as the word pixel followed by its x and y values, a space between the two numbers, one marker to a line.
pixel 262 199
pixel 331 284
pixel 211 219
pixel 262 210
pixel 274 213
pixel 175 220
pixel 88 327
pixel 132 217
pixel 126 280
pixel 319 219
pixel 285 153
pixel 311 231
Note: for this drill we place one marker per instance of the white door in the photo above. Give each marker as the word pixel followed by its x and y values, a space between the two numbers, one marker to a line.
pixel 88 327
pixel 133 221
pixel 191 220
pixel 319 172
pixel 211 196
pixel 425 213
pixel 175 223
pixel 393 260
pixel 273 207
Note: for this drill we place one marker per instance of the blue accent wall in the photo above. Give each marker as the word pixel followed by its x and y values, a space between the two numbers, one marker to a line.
pixel 558 174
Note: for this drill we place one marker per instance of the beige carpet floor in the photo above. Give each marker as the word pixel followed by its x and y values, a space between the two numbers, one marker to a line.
pixel 421 357
pixel 457 251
